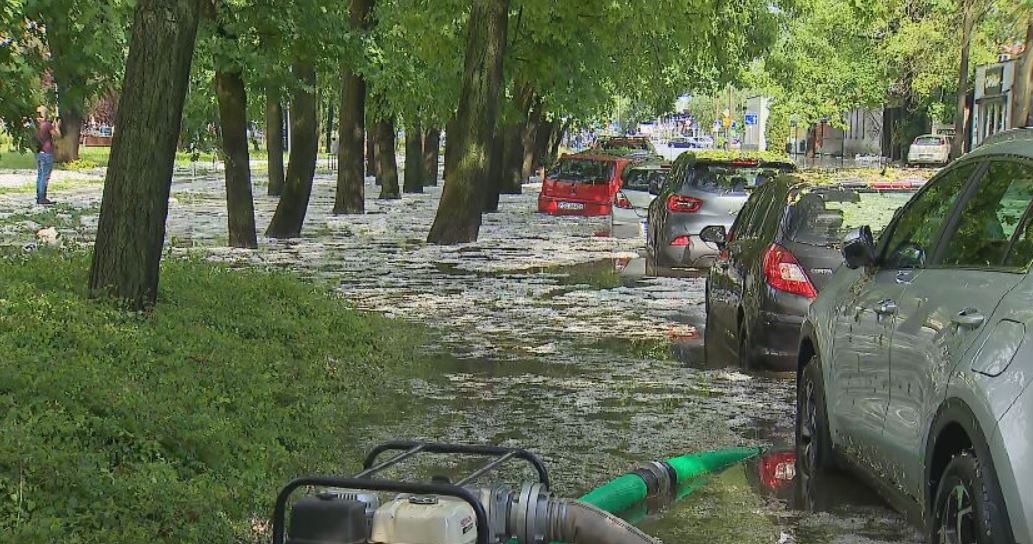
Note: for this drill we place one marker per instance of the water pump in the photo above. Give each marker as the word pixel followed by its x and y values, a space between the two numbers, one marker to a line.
pixel 349 510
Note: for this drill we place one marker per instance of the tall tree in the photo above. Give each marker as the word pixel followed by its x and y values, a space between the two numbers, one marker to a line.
pixel 431 154
pixel 387 162
pixel 351 181
pixel 1022 115
pixel 86 40
pixel 301 162
pixel 458 218
pixel 240 203
pixel 131 228
pixel 414 175
pixel 971 12
pixel 496 164
pixel 274 140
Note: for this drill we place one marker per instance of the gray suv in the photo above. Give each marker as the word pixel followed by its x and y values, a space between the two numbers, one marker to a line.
pixel 916 359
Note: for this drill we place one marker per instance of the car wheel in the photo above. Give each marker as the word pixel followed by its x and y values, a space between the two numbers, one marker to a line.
pixel 709 353
pixel 746 361
pixel 813 441
pixel 968 508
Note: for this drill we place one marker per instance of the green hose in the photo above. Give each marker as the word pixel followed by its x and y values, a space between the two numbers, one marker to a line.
pixel 622 493
pixel 625 491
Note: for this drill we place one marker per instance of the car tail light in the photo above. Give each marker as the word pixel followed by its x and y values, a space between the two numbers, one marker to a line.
pixel 683 204
pixel 777 469
pixel 621 201
pixel 681 241
pixel 783 272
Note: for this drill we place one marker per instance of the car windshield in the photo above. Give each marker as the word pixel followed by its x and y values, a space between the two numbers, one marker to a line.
pixel 593 171
pixel 732 178
pixel 822 217
pixel 929 140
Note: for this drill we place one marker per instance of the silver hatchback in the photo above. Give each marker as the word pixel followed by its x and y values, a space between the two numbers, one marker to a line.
pixel 699 193
pixel 916 359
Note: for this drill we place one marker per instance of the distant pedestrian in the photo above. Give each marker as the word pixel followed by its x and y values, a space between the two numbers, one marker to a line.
pixel 46 131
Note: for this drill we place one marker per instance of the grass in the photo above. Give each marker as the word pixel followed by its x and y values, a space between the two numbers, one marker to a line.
pixel 89 157
pixel 178 425
pixel 29 187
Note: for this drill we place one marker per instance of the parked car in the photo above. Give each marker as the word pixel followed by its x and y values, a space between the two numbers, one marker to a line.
pixel 582 184
pixel 780 252
pixel 631 203
pixel 700 192
pixel 680 142
pixel 916 359
pixel 632 146
pixel 929 149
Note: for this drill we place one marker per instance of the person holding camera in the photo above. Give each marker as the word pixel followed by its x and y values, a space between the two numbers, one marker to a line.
pixel 46 131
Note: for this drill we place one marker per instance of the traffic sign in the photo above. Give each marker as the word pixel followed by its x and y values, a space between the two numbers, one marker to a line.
pixel 751 118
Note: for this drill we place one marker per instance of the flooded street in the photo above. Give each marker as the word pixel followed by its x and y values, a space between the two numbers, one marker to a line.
pixel 546 335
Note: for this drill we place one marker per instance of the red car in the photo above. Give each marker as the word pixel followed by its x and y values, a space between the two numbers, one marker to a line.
pixel 583 184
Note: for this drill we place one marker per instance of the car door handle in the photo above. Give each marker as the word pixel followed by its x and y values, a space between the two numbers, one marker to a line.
pixel 886 307
pixel 969 317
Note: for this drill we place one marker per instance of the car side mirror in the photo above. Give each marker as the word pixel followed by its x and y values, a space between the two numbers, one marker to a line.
pixel 859 248
pixel 714 234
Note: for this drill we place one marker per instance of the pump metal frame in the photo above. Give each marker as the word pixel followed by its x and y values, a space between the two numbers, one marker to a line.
pixel 365 480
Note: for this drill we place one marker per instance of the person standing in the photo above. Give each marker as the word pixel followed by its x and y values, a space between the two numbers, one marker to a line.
pixel 46 131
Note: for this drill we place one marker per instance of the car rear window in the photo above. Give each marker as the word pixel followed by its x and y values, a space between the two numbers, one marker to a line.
pixel 731 178
pixel 929 140
pixel 591 171
pixel 821 217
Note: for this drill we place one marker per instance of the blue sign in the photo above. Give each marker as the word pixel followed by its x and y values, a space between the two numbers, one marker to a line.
pixel 752 118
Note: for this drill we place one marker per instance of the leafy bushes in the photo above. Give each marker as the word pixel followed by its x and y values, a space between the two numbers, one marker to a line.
pixel 178 426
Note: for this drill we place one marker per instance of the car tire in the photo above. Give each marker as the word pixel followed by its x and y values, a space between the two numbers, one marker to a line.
pixel 745 344
pixel 968 508
pixel 814 457
pixel 709 357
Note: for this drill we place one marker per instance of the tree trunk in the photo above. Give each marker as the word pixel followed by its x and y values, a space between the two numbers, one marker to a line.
pixel 351 179
pixel 556 138
pixel 451 141
pixel 513 134
pixel 541 142
pixel 387 162
pixel 1022 115
pixel 512 157
pixel 431 153
pixel 534 120
pixel 371 153
pixel 69 80
pixel 496 168
pixel 960 142
pixel 240 204
pixel 301 162
pixel 414 174
pixel 274 141
pixel 458 217
pixel 135 205
pixel 66 148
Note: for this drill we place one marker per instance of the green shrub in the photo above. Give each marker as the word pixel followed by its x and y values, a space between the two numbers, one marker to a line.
pixel 179 425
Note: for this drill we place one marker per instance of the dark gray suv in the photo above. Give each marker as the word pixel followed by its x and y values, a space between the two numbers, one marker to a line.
pixel 916 359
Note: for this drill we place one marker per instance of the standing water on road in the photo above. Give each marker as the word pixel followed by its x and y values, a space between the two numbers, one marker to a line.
pixel 545 334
